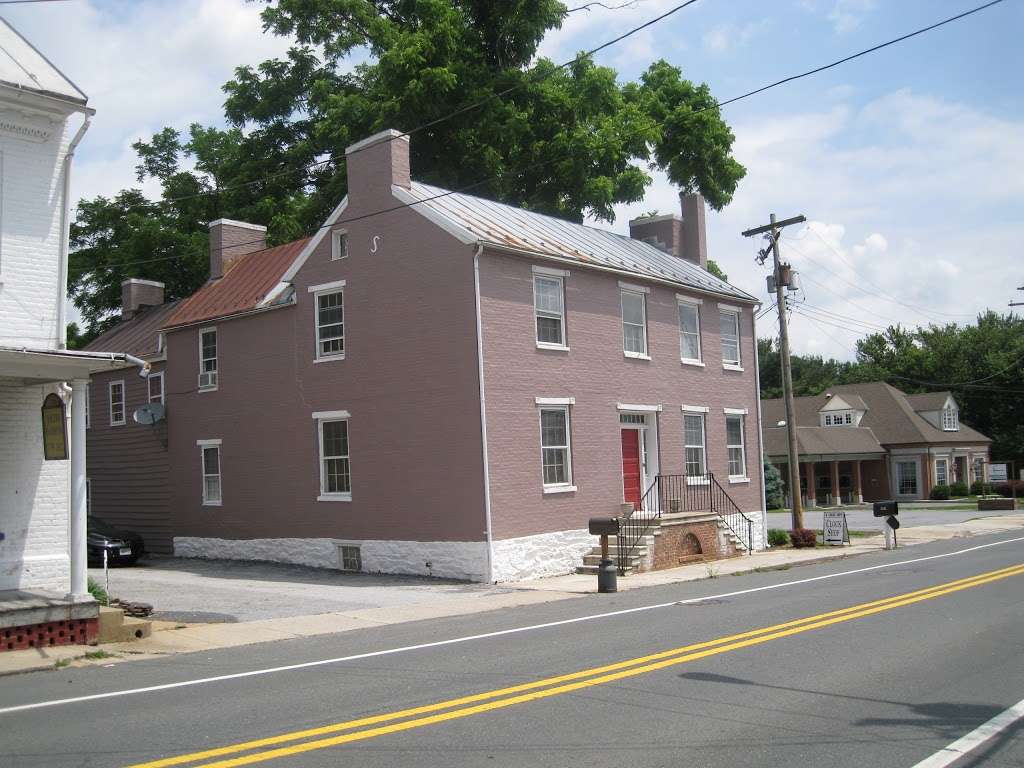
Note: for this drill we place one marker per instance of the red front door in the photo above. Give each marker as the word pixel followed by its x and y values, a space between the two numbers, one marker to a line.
pixel 631 467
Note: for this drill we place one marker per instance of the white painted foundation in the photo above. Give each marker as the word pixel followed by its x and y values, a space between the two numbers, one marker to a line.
pixel 544 554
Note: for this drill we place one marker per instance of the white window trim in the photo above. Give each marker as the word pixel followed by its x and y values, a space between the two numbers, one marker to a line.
pixel 736 411
pixel 124 403
pixel 149 391
pixel 323 417
pixel 554 400
pixel 625 288
pixel 732 365
pixel 549 271
pixel 569 486
pixel 560 277
pixel 744 478
pixel 695 409
pixel 638 408
pixel 702 412
pixel 945 460
pixel 203 445
pixel 215 358
pixel 623 285
pixel 954 420
pixel 337 286
pixel 694 304
pixel 336 237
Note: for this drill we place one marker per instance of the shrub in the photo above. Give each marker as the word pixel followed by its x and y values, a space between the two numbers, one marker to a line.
pixel 1006 488
pixel 773 495
pixel 98 592
pixel 940 492
pixel 777 537
pixel 803 537
pixel 980 488
pixel 958 489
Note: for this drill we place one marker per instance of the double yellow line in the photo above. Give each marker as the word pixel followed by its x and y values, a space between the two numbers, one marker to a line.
pixel 452 709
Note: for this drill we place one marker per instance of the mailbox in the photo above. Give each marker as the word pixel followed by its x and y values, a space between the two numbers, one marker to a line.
pixel 893 522
pixel 886 508
pixel 604 526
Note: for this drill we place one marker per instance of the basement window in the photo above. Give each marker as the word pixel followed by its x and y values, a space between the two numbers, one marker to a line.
pixel 350 558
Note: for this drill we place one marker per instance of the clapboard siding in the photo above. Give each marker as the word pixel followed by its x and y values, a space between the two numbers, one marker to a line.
pixel 127 465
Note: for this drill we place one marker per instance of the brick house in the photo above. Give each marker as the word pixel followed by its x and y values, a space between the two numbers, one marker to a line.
pixel 435 383
pixel 869 442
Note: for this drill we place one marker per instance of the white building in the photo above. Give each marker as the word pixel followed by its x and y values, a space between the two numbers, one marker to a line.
pixel 43 117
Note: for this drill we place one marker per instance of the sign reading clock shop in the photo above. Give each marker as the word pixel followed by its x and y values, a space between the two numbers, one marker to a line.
pixel 55 436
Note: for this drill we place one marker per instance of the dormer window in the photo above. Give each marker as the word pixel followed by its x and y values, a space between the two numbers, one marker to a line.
pixel 838 419
pixel 950 420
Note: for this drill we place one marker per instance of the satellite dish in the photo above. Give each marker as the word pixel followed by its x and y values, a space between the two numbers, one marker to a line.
pixel 150 413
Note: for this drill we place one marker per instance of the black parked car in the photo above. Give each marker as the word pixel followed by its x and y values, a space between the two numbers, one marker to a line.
pixel 123 547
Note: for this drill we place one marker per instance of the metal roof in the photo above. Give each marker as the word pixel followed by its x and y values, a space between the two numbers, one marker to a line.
pixel 242 287
pixel 138 335
pixel 507 226
pixel 22 66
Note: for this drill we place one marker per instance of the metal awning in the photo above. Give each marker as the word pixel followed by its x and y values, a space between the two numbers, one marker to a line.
pixel 40 366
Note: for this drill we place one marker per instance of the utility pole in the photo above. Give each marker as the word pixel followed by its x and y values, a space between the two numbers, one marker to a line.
pixel 1018 303
pixel 782 274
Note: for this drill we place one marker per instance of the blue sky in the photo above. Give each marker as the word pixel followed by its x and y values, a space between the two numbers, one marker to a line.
pixel 909 163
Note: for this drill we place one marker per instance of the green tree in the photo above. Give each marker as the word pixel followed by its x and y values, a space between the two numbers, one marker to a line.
pixel 570 141
pixel 716 270
pixel 773 487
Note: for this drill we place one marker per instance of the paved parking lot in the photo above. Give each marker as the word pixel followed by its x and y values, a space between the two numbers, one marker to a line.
pixel 861 518
pixel 188 590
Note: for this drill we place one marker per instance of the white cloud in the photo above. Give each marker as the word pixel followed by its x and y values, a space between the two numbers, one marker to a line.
pixel 144 65
pixel 912 204
pixel 584 30
pixel 846 15
pixel 727 37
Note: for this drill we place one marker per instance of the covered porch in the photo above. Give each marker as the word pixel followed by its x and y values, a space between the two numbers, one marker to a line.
pixel 43 491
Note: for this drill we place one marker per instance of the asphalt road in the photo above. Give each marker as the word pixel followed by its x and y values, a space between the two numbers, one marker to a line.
pixel 880 667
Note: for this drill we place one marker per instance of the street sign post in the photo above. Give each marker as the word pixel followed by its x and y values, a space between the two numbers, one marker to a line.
pixel 834 530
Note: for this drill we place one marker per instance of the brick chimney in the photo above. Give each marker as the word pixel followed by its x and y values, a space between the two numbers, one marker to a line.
pixel 695 230
pixel 231 240
pixel 137 294
pixel 375 163
pixel 663 232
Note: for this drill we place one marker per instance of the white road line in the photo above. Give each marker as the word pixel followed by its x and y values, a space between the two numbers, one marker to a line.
pixel 485 635
pixel 974 739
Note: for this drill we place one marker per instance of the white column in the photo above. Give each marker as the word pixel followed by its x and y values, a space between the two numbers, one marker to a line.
pixel 79 575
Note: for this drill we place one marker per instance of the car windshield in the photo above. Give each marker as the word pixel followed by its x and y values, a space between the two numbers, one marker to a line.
pixel 102 527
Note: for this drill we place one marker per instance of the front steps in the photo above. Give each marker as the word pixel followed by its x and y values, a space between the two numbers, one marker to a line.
pixel 644 556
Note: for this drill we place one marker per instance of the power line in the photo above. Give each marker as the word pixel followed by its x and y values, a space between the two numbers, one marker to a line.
pixel 842 318
pixel 714 105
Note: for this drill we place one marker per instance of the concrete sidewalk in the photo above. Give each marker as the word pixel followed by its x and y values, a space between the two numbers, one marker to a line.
pixel 173 638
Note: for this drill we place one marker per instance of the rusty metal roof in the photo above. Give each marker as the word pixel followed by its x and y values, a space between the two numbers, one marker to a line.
pixel 246 282
pixel 507 226
pixel 138 335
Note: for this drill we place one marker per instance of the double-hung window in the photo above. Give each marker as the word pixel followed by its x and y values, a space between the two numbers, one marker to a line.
pixel 339 245
pixel 979 469
pixel 736 446
pixel 634 320
pixel 696 448
pixel 555 444
pixel 155 383
pixel 335 467
pixel 729 333
pixel 549 307
pixel 209 451
pixel 330 320
pixel 942 472
pixel 950 420
pixel 207 359
pixel 689 330
pixel 116 403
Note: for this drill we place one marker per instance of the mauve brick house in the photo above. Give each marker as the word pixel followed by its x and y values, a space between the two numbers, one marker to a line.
pixel 436 383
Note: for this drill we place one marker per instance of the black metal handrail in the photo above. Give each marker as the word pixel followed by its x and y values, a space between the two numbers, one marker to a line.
pixel 681 493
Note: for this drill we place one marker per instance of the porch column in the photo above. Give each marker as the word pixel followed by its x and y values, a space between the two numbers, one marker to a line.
pixel 77 548
pixel 858 491
pixel 837 498
pixel 811 499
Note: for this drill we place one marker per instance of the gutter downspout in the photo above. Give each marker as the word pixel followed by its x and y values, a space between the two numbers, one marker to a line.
pixel 65 235
pixel 760 428
pixel 489 574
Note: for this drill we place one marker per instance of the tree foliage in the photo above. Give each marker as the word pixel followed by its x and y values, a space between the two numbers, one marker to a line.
pixel 569 141
pixel 982 364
